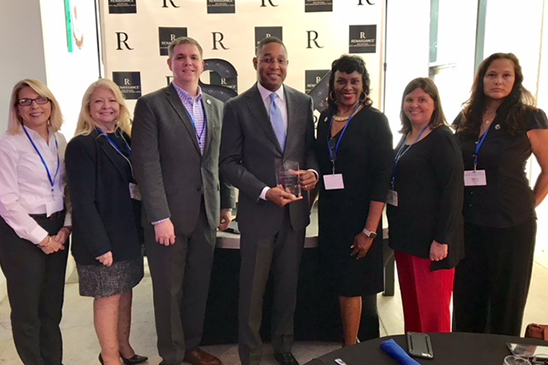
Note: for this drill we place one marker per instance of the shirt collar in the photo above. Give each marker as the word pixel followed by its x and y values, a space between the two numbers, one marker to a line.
pixel 265 93
pixel 185 95
pixel 35 134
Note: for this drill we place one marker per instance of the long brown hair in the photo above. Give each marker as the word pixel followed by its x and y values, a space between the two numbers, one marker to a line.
pixel 512 109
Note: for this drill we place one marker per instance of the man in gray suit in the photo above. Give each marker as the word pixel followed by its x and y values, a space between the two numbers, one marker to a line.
pixel 267 122
pixel 176 138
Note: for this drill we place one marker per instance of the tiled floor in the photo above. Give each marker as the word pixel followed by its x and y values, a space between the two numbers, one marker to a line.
pixel 81 345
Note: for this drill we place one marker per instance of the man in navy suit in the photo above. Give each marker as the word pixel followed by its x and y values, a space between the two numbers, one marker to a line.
pixel 267 122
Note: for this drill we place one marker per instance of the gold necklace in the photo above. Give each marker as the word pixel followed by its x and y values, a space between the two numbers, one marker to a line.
pixel 344 119
pixel 340 119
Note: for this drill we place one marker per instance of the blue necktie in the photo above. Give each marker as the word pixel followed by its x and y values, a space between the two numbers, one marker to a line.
pixel 277 120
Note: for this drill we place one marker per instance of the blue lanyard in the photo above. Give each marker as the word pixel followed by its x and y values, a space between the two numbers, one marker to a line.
pixel 117 148
pixel 201 134
pixel 333 151
pixel 401 153
pixel 51 180
pixel 478 146
pixel 113 144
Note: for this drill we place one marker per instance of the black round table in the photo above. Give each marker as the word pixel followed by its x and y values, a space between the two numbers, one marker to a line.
pixel 449 349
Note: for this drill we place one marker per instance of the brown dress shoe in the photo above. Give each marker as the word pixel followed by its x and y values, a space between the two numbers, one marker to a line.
pixel 200 357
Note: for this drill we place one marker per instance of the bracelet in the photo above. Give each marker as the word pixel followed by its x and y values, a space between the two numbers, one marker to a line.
pixel 45 244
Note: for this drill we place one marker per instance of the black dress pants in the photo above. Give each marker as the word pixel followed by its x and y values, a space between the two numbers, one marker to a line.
pixel 35 284
pixel 492 281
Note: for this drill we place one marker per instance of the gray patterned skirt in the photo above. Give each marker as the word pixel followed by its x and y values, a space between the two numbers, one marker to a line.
pixel 99 281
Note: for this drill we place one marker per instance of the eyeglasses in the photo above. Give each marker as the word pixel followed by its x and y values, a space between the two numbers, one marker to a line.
pixel 27 102
pixel 270 60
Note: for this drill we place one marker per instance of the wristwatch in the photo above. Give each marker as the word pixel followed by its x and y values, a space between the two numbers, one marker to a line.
pixel 369 234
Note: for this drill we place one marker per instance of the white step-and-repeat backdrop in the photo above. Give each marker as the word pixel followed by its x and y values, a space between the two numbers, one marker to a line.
pixel 136 34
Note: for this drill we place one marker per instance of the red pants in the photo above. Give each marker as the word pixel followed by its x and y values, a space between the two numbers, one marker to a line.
pixel 425 294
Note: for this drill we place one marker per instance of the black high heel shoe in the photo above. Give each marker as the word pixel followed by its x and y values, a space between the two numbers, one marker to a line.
pixel 135 359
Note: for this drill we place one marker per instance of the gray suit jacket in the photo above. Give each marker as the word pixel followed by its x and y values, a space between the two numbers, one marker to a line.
pixel 249 148
pixel 171 173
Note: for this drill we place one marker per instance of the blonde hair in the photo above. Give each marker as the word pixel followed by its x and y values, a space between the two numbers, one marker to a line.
pixel 15 121
pixel 86 124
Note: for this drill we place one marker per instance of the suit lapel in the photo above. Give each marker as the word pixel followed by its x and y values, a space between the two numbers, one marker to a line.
pixel 111 153
pixel 173 99
pixel 291 123
pixel 263 119
pixel 208 110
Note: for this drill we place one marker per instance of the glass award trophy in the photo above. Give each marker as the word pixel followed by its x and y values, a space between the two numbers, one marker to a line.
pixel 286 175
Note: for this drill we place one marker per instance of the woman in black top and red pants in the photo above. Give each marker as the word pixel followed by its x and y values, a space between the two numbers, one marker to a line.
pixel 498 130
pixel 424 208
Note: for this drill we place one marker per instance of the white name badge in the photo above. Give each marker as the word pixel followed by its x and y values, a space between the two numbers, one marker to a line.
pixel 475 178
pixel 333 182
pixel 55 205
pixel 392 198
pixel 134 191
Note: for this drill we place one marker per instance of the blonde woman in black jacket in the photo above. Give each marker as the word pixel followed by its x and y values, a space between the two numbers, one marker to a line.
pixel 107 233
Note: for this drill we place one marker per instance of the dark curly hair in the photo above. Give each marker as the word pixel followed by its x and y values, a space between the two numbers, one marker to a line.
pixel 349 64
pixel 514 106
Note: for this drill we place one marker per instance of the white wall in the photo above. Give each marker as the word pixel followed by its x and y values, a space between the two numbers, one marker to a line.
pixel 516 27
pixel 22 49
pixel 408 29
pixel 456 53
pixel 69 74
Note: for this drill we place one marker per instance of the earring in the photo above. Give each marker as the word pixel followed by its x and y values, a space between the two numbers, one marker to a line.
pixel 332 96
pixel 363 97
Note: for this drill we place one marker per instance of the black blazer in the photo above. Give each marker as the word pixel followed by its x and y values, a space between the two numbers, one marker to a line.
pixel 104 217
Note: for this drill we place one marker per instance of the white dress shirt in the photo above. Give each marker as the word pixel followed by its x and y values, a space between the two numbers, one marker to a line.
pixel 24 185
